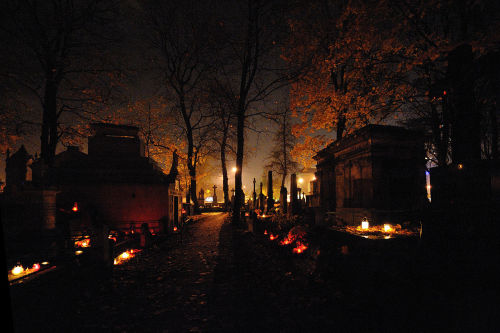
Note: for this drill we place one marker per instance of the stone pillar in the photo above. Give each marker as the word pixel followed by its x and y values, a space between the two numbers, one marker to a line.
pixel 270 200
pixel 254 196
pixel 215 196
pixel 261 199
pixel 283 200
pixel 293 194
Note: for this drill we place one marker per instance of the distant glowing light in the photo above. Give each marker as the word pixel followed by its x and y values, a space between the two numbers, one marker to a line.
pixel 301 180
pixel 235 169
pixel 388 228
pixel 75 207
pixel 83 243
pixel 209 199
pixel 460 166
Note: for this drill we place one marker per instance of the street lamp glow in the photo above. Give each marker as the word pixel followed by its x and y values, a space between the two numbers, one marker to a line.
pixel 234 169
pixel 301 180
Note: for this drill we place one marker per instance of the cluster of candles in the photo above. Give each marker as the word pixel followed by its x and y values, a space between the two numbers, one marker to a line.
pixel 299 247
pixel 365 226
pixel 124 256
pixel 83 243
pixel 20 271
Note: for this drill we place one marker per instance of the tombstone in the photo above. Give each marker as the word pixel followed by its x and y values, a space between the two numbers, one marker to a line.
pixel 201 196
pixel 283 200
pixel 270 200
pixel 16 169
pixel 214 202
pixel 262 199
pixel 188 195
pixel 232 197
pixel 293 195
pixel 254 195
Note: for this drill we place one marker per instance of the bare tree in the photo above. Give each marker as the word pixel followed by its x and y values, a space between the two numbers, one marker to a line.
pixel 250 63
pixel 56 59
pixel 180 35
pixel 224 135
pixel 280 159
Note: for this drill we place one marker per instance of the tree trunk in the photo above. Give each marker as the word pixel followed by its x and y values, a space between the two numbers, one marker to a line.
pixel 49 137
pixel 341 124
pixel 191 159
pixel 238 200
pixel 494 133
pixel 225 180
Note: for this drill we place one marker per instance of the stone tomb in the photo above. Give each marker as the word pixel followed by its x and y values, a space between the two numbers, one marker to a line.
pixel 378 172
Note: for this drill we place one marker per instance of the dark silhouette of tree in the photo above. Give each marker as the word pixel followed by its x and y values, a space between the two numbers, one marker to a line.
pixel 249 63
pixel 56 60
pixel 280 159
pixel 180 35
pixel 222 104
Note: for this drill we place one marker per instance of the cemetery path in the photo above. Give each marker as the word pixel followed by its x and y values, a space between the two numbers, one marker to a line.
pixel 164 288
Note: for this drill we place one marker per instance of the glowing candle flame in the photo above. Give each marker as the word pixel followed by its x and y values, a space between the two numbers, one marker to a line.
pixel 17 270
pixel 299 248
pixel 365 225
pixel 75 207
pixel 388 228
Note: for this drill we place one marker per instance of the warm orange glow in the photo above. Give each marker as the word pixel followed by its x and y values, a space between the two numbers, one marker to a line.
pixel 285 241
pixel 272 237
pixel 17 270
pixel 460 166
pixel 388 228
pixel 265 232
pixel 83 243
pixel 124 256
pixel 380 231
pixel 365 225
pixel 75 207
pixel 175 228
pixel 301 247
